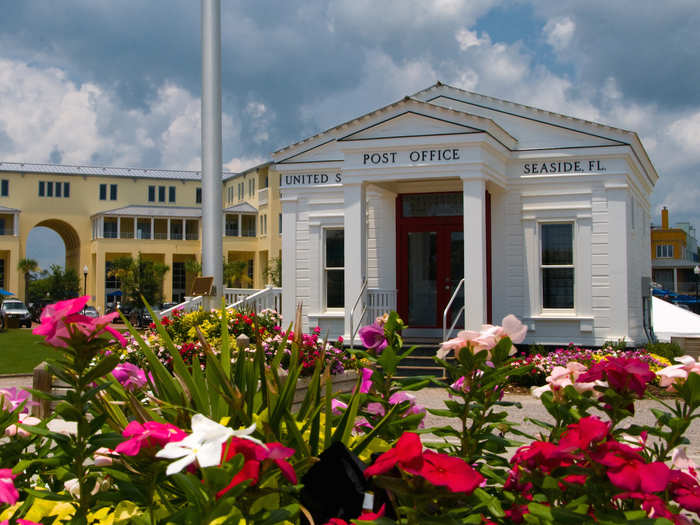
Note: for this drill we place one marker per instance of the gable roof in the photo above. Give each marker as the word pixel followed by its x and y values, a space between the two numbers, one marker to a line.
pixel 417 108
pixel 241 207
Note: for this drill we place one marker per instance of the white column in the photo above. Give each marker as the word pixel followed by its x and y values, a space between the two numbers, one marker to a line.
pixel 184 230
pixel 474 190
pixel 240 225
pixel 101 228
pixel 289 261
pixel 135 226
pixel 15 225
pixel 119 223
pixel 153 229
pixel 675 280
pixel 355 248
pixel 168 228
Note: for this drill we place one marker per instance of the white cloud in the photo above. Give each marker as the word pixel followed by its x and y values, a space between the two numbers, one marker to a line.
pixel 43 113
pixel 559 32
pixel 467 39
pixel 686 133
pixel 237 165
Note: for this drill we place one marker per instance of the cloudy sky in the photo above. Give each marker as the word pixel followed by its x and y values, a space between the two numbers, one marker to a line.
pixel 118 83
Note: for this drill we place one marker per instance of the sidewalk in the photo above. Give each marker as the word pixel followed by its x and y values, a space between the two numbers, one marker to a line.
pixel 533 408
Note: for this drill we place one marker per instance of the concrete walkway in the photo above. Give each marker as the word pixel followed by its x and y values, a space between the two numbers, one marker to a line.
pixel 533 408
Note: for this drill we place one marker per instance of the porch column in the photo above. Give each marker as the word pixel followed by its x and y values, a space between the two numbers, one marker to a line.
pixel 355 248
pixel 119 232
pixel 15 224
pixel 289 261
pixel 675 280
pixel 168 278
pixel 474 190
pixel 240 225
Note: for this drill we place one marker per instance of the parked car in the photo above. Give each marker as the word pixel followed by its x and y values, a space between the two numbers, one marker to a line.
pixel 14 312
pixel 90 311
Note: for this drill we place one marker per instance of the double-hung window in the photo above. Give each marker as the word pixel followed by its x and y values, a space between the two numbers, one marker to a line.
pixel 557 265
pixel 113 192
pixel 334 261
pixel 664 251
pixel 4 187
pixel 171 194
pixel 103 192
pixel 161 193
pixel 198 196
pixel 151 194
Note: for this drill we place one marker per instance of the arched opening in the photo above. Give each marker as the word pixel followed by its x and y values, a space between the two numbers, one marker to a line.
pixel 70 238
pixel 51 242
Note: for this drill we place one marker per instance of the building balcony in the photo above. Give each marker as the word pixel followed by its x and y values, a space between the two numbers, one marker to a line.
pixel 263 196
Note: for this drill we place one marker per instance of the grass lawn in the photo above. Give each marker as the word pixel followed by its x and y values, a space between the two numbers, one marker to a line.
pixel 20 351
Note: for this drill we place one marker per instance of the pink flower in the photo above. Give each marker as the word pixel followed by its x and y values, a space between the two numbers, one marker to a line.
pixel 8 492
pixel 278 454
pixel 149 435
pixel 103 457
pixel 130 376
pixel 673 374
pixel 366 382
pixel 372 337
pixel 56 317
pixel 337 406
pixel 487 338
pixel 11 398
pixel 16 430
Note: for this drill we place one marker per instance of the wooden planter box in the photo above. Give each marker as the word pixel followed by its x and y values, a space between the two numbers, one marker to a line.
pixel 45 382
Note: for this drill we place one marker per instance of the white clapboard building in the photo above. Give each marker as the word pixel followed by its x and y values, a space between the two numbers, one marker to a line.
pixel 451 196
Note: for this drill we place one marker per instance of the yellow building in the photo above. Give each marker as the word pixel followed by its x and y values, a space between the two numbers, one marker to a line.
pixel 105 213
pixel 674 256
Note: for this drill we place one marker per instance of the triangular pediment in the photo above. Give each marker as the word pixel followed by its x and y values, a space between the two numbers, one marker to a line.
pixel 410 124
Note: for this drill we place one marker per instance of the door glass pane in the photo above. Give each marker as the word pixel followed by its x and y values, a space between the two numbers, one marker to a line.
pixel 456 275
pixel 432 205
pixel 422 273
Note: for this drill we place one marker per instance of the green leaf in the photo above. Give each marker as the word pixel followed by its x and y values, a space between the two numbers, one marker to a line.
pixel 102 368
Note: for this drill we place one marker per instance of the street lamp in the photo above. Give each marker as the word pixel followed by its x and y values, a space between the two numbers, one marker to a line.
pixel 85 272
pixel 696 271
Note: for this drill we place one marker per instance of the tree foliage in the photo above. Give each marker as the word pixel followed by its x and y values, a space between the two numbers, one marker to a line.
pixel 139 277
pixel 56 285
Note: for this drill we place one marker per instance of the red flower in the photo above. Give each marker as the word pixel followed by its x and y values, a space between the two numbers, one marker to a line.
pixel 406 454
pixel 622 374
pixel 628 471
pixel 579 436
pixel 447 471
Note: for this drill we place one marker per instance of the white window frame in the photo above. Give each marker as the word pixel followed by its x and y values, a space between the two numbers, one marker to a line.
pixel 543 266
pixel 324 291
pixel 664 251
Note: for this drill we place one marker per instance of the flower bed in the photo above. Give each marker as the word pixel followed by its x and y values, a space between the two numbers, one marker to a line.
pixel 184 330
pixel 229 443
pixel 541 365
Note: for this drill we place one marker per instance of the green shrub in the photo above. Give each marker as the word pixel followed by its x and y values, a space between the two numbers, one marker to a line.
pixel 667 350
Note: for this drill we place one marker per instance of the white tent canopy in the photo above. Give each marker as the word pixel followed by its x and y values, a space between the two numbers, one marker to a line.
pixel 670 320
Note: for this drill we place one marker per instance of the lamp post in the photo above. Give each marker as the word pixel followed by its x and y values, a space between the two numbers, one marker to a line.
pixel 85 272
pixel 696 271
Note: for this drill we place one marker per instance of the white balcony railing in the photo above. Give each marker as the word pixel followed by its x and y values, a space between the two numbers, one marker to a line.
pixel 189 305
pixel 233 295
pixel 263 196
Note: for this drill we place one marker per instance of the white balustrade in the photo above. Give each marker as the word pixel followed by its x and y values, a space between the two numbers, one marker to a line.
pixel 379 302
pixel 267 298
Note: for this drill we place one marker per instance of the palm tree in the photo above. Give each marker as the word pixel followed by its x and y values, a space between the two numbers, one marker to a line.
pixel 236 272
pixel 27 266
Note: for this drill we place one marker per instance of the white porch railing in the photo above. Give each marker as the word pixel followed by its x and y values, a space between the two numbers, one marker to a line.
pixel 379 302
pixel 374 303
pixel 189 305
pixel 268 297
pixel 233 295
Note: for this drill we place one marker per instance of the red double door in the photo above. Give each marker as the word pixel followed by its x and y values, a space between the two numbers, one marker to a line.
pixel 430 257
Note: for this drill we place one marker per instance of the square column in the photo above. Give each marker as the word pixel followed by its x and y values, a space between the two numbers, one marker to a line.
pixel 618 259
pixel 289 261
pixel 474 189
pixel 168 278
pixel 355 236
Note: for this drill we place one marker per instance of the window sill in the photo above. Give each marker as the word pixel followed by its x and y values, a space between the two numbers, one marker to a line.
pixel 329 314
pixel 585 321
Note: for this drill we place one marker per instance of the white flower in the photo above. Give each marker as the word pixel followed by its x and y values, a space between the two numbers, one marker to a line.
pixel 202 445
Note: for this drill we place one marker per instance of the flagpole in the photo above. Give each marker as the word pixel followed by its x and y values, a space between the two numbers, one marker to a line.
pixel 212 244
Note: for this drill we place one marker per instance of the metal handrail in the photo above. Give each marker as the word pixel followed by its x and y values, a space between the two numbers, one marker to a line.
pixel 352 314
pixel 447 309
pixel 185 306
